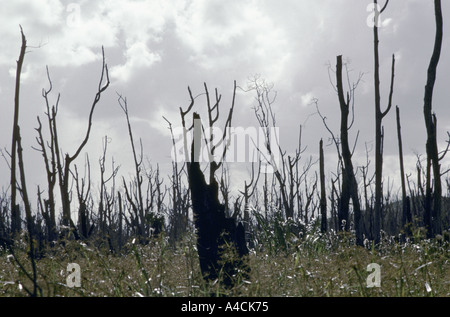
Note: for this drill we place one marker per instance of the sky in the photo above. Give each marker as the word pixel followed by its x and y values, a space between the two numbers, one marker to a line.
pixel 156 49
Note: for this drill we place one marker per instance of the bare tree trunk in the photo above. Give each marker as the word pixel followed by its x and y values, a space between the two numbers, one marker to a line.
pixel 406 207
pixel 214 230
pixel 138 206
pixel 379 134
pixel 432 215
pixel 63 164
pixel 18 150
pixel 249 189
pixel 323 195
pixel 180 213
pixel 15 209
pixel 349 184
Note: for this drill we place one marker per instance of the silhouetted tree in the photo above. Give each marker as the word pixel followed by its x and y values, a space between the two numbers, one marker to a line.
pixel 323 194
pixel 47 206
pixel 143 219
pixel 406 206
pixel 349 185
pixel 58 164
pixel 432 214
pixel 179 210
pixel 18 150
pixel 379 131
pixel 15 209
pixel 215 232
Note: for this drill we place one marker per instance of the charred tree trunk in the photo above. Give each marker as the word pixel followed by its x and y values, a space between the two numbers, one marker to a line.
pixel 323 195
pixel 214 230
pixel 432 215
pixel 64 169
pixel 406 206
pixel 379 133
pixel 349 184
pixel 15 209
pixel 16 221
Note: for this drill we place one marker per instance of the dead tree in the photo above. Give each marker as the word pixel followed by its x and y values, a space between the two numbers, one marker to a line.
pixel 214 230
pixel 323 195
pixel 179 216
pixel 59 163
pixel 15 210
pixel 83 187
pixel 349 185
pixel 49 155
pixel 249 190
pixel 406 206
pixel 64 169
pixel 18 161
pixel 285 167
pixel 18 150
pixel 143 220
pixel 379 131
pixel 106 202
pixel 432 213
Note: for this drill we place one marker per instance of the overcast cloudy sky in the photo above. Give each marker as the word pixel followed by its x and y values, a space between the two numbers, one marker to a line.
pixel 155 49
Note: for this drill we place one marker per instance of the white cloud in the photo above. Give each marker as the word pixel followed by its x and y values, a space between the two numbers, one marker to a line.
pixel 138 25
pixel 137 56
pixel 44 13
pixel 220 35
pixel 307 99
pixel 139 21
pixel 386 22
pixel 205 25
pixel 32 16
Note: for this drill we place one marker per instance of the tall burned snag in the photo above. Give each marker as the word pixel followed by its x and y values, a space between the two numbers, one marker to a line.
pixel 323 195
pixel 64 171
pixel 432 213
pixel 249 190
pixel 379 131
pixel 57 164
pixel 15 210
pixel 16 149
pixel 20 184
pixel 179 197
pixel 144 221
pixel 48 152
pixel 349 184
pixel 215 232
pixel 406 206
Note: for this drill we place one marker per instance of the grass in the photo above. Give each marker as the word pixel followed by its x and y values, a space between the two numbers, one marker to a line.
pixel 317 265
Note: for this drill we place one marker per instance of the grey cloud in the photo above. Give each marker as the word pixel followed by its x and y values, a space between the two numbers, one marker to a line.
pixel 289 43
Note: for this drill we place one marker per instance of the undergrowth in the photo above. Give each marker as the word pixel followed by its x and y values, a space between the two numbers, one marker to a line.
pixel 305 264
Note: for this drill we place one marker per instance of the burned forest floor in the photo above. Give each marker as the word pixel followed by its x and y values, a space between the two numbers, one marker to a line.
pixel 313 265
